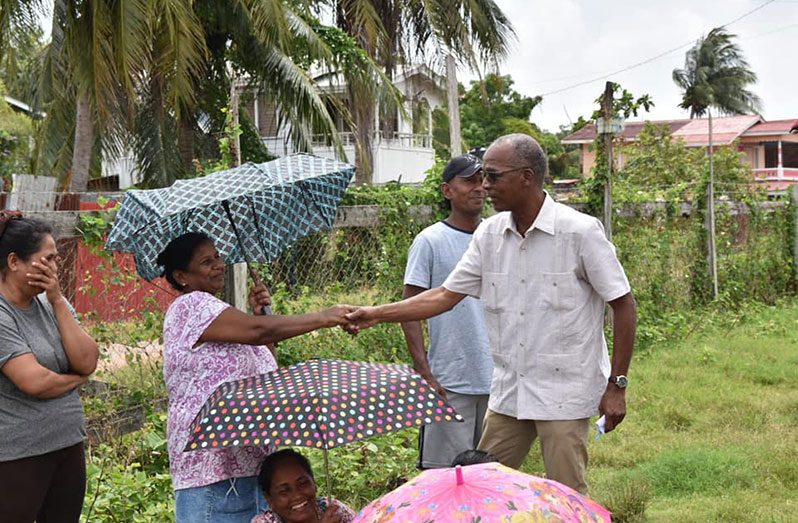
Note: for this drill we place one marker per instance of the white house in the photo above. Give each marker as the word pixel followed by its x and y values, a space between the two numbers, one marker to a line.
pixel 402 153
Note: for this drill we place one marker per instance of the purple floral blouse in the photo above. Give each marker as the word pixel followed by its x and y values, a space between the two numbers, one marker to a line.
pixel 192 373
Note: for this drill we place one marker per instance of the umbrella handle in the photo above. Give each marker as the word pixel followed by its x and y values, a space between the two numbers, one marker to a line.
pixel 265 310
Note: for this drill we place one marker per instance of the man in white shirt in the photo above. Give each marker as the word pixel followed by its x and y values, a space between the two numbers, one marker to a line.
pixel 544 273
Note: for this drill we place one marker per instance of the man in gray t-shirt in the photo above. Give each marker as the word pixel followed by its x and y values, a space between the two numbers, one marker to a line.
pixel 459 364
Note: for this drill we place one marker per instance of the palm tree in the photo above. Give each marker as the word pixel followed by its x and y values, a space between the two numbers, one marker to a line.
pixel 17 17
pixel 88 81
pixel 715 75
pixel 401 31
pixel 20 42
pixel 152 75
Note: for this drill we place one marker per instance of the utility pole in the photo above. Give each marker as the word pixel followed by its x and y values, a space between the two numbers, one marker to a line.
pixel 713 249
pixel 606 106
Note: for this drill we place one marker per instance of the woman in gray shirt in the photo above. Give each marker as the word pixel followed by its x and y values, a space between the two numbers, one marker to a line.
pixel 44 356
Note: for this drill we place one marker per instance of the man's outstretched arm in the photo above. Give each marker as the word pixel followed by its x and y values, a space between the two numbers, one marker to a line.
pixel 420 307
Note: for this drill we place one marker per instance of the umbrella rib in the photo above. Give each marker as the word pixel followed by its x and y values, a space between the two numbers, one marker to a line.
pixel 257 227
pixel 226 206
pixel 311 200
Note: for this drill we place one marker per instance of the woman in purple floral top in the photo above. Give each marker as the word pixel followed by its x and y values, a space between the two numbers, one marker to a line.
pixel 206 343
pixel 290 488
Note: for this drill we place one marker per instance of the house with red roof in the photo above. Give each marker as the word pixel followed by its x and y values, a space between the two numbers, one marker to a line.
pixel 770 148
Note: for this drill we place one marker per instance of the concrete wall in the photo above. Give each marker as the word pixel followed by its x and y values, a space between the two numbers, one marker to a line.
pixel 392 161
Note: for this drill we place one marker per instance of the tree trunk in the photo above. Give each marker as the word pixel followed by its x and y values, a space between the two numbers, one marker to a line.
pixel 186 140
pixel 84 140
pixel 455 143
pixel 363 112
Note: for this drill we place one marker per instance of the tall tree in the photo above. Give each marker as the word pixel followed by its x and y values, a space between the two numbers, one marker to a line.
pixel 715 75
pixel 491 108
pixel 403 31
pixel 87 83
pixel 152 76
pixel 23 44
pixel 18 18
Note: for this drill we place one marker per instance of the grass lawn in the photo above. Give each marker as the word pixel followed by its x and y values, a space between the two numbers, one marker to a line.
pixel 711 433
pixel 712 429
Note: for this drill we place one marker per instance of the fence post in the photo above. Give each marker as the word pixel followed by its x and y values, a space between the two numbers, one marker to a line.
pixel 235 275
pixel 794 232
pixel 235 285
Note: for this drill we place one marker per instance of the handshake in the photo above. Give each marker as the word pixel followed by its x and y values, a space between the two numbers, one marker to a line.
pixel 351 318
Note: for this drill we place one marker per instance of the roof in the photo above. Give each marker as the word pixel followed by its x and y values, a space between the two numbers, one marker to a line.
pixel 19 105
pixel 773 127
pixel 724 130
pixel 587 134
pixel 695 133
pixel 407 72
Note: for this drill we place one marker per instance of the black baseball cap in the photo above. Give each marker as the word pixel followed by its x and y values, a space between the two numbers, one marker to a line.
pixel 464 166
pixel 479 152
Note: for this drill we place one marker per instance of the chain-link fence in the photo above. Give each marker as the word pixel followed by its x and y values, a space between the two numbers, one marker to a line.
pixel 661 246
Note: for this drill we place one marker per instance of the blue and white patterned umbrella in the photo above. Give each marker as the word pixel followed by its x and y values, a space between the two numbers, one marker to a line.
pixel 252 212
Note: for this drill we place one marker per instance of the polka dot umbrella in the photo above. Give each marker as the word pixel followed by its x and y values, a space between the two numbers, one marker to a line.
pixel 321 403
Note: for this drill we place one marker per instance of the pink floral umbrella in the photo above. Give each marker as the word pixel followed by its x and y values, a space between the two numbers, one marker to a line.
pixel 486 493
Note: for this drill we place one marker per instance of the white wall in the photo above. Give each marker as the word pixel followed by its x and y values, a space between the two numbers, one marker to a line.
pixel 409 163
pixel 124 167
pixel 391 160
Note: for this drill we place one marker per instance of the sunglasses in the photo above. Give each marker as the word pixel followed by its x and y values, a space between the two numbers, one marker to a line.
pixel 492 175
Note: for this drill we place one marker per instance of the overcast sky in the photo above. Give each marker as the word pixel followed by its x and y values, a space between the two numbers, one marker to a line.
pixel 566 42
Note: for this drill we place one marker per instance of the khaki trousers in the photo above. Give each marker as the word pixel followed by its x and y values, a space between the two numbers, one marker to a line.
pixel 563 443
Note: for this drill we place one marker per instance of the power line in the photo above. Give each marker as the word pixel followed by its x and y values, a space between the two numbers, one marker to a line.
pixel 768 33
pixel 649 60
pixel 752 11
pixel 619 71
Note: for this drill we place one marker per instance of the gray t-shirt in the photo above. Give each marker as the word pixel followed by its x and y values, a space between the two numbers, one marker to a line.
pixel 30 426
pixel 459 354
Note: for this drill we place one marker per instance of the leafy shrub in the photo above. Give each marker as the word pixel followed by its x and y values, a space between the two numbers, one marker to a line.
pixel 129 480
pixel 627 499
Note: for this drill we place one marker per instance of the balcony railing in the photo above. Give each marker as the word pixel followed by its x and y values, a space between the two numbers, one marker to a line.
pixel 774 173
pixel 403 140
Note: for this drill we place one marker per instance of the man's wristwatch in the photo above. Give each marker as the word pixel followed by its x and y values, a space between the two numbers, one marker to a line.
pixel 620 381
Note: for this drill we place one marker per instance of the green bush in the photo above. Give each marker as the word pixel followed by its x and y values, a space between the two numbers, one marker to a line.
pixel 627 499
pixel 129 480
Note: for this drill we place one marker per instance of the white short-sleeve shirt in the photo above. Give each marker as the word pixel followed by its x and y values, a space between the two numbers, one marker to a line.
pixel 544 294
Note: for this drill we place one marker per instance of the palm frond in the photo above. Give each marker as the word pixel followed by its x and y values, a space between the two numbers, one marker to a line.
pixel 297 98
pixel 180 53
pixel 17 15
pixel 716 74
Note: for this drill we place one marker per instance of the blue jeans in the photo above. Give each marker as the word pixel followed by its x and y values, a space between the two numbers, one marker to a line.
pixel 235 500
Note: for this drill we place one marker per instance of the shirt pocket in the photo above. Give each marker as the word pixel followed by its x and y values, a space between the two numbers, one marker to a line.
pixel 560 378
pixel 495 301
pixel 558 291
pixel 494 291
